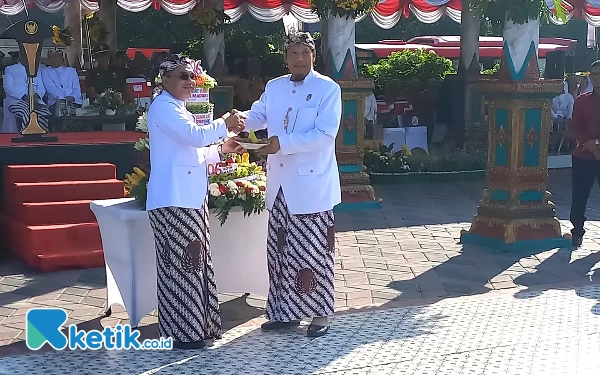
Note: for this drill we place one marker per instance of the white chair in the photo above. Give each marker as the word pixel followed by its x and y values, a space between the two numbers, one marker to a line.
pixel 397 136
pixel 416 136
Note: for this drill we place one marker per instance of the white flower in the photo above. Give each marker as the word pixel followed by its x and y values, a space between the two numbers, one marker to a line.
pixel 213 186
pixel 215 192
pixel 142 144
pixel 142 123
pixel 231 185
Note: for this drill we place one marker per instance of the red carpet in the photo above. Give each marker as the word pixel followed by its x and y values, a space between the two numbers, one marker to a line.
pixel 47 213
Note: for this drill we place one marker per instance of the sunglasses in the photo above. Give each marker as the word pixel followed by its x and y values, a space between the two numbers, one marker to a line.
pixel 185 76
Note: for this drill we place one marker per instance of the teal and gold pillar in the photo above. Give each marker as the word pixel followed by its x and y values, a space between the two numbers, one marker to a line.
pixel 515 212
pixel 357 192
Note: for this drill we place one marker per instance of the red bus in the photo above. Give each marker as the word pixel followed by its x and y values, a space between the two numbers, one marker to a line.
pixel 490 48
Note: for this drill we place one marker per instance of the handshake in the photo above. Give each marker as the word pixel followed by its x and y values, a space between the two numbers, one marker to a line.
pixel 234 121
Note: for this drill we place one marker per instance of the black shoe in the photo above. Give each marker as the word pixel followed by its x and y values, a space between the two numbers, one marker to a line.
pixel 577 240
pixel 316 331
pixel 275 326
pixel 189 345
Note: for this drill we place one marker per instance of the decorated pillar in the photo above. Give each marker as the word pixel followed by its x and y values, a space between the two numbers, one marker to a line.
pixel 214 53
pixel 211 16
pixel 470 102
pixel 515 212
pixel 73 23
pixel 108 16
pixel 357 192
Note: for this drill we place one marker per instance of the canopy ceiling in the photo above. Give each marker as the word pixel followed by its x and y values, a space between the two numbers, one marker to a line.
pixel 386 14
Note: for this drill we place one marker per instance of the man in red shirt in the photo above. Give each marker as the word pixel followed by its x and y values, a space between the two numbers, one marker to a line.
pixel 585 128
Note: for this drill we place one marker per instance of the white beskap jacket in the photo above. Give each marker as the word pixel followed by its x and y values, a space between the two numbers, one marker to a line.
pixel 306 167
pixel 179 153
pixel 61 82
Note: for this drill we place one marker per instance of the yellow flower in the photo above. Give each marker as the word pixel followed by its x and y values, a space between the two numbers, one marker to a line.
pixel 245 157
pixel 139 172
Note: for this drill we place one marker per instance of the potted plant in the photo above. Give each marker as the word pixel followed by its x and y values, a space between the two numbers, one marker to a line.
pixel 110 102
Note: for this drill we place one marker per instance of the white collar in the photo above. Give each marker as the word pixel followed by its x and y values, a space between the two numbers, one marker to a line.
pixel 180 102
pixel 306 79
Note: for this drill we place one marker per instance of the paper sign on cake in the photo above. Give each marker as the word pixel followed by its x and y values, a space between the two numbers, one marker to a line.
pixel 222 168
pixel 203 118
pixel 200 95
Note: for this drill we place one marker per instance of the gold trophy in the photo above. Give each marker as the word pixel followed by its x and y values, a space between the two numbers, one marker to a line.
pixel 30 36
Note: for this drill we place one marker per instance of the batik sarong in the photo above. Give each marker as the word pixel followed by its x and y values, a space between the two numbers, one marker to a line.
pixel 300 254
pixel 188 308
pixel 21 111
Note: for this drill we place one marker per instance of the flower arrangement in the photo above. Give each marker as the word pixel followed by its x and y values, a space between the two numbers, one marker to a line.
pixel 61 37
pixel 342 8
pixel 211 18
pixel 113 100
pixel 109 99
pixel 384 160
pixel 142 126
pixel 199 107
pixel 136 185
pixel 244 186
pixel 204 81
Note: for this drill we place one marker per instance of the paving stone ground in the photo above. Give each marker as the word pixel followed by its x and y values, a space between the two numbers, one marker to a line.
pixel 404 254
pixel 556 332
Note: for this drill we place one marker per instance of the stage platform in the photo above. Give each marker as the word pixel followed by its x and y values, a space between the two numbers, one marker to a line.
pixel 78 138
pixel 74 147
pixel 54 228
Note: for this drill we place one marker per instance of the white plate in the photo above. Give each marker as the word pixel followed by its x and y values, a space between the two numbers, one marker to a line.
pixel 251 146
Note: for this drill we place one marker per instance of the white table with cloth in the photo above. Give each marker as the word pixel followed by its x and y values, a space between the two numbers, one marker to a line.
pixel 238 252
pixel 411 136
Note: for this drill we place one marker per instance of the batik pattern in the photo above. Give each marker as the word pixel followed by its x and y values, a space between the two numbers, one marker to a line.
pixel 21 111
pixel 188 308
pixel 300 254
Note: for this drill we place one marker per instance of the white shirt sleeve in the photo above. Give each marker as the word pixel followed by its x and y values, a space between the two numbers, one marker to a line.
pixel 212 155
pixel 326 127
pixel 569 109
pixel 370 107
pixel 40 89
pixel 12 87
pixel 174 121
pixel 256 117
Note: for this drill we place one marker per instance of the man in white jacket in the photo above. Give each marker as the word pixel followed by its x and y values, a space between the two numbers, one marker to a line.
pixel 16 103
pixel 177 205
pixel 302 112
pixel 60 81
